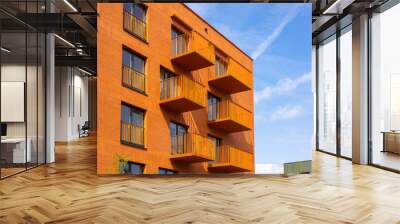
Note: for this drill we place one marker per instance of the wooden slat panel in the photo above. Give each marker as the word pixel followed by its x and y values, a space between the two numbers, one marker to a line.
pixel 226 109
pixel 131 133
pixel 135 25
pixel 193 42
pixel 182 86
pixel 190 143
pixel 234 157
pixel 132 78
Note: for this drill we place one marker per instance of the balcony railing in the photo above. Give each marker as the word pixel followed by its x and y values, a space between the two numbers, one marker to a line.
pixel 135 26
pixel 192 148
pixel 231 77
pixel 232 159
pixel 192 51
pixel 133 79
pixel 132 134
pixel 182 94
pixel 229 116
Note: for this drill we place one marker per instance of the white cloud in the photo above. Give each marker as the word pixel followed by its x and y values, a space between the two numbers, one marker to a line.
pixel 286 112
pixel 282 87
pixel 261 48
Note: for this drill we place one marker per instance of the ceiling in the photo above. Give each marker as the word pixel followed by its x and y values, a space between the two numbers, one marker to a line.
pixel 76 22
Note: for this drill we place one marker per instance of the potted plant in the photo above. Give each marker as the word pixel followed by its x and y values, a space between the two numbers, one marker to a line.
pixel 122 163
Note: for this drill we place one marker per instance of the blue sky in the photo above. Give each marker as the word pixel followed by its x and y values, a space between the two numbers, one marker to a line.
pixel 278 38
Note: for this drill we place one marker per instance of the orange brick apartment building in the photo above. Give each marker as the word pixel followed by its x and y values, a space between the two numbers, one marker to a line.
pixel 174 95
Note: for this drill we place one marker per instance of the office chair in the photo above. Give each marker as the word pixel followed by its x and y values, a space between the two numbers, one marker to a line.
pixel 84 130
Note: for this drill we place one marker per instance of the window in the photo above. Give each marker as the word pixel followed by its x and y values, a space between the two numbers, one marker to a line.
pixel 166 171
pixel 135 19
pixel 137 10
pixel 22 87
pixel 165 74
pixel 346 92
pixel 213 107
pixel 216 144
pixel 168 84
pixel 133 70
pixel 327 95
pixel 179 42
pixel 175 33
pixel 385 89
pixel 135 168
pixel 220 66
pixel 133 61
pixel 178 137
pixel 132 125
pixel 177 129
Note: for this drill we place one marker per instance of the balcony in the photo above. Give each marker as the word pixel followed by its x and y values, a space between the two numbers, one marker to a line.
pixel 181 94
pixel 133 79
pixel 192 51
pixel 230 159
pixel 135 26
pixel 229 117
pixel 235 78
pixel 190 147
pixel 132 135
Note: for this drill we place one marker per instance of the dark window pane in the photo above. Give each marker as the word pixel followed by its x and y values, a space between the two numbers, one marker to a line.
pixel 212 107
pixel 133 61
pixel 140 12
pixel 166 171
pixel 125 114
pixel 135 168
pixel 177 129
pixel 128 7
pixel 172 129
pixel 175 32
pixel 138 64
pixel 132 115
pixel 126 58
pixel 164 74
pixel 137 117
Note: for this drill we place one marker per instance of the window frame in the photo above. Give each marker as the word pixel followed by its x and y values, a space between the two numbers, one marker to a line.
pixel 214 110
pixel 143 125
pixel 131 12
pixel 133 55
pixel 141 166
pixel 167 171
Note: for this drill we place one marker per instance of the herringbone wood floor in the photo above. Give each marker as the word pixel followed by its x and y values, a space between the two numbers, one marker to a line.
pixel 69 191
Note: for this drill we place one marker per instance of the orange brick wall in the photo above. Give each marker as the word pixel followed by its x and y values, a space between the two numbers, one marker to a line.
pixel 110 39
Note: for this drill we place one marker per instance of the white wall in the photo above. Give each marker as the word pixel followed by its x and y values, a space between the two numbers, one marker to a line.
pixel 71 102
pixel 16 73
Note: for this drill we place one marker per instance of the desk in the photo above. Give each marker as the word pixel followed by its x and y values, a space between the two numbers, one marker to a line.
pixel 13 150
pixel 391 141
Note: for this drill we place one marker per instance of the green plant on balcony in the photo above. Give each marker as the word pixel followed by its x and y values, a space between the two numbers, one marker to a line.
pixel 121 163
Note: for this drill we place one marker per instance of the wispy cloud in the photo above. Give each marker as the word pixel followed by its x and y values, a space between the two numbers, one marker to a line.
pixel 282 87
pixel 286 112
pixel 261 48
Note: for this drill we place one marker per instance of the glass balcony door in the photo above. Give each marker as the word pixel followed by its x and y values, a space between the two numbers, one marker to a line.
pixel 327 96
pixel 22 107
pixel 385 89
